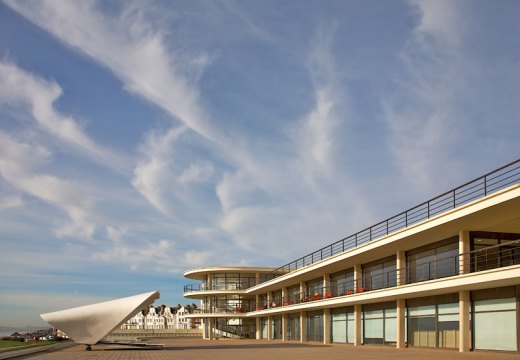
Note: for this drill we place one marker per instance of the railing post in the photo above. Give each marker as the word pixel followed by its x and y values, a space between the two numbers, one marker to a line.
pixel 485 185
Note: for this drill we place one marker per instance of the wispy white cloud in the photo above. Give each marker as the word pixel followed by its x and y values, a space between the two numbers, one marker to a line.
pixel 21 88
pixel 19 166
pixel 425 123
pixel 10 202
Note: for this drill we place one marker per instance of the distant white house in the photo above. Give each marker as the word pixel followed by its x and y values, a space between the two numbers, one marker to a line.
pixel 154 320
pixel 163 318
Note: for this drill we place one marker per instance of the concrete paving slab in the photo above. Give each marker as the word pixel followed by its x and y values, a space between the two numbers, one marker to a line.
pixel 198 349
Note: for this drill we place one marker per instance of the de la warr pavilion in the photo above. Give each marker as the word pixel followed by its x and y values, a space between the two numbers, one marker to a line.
pixel 443 274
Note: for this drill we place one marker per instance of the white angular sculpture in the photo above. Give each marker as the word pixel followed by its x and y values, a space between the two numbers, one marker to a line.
pixel 89 324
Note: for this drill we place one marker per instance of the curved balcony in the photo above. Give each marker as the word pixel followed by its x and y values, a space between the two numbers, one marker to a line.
pixel 243 284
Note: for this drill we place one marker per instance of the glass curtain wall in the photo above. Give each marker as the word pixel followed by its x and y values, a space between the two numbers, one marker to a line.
pixel 379 275
pixel 342 325
pixel 314 289
pixel 315 326
pixel 293 327
pixel 434 322
pixel 495 250
pixel 495 314
pixel 380 323
pixel 232 281
pixel 276 327
pixel 433 262
pixel 342 283
pixel 264 327
pixel 293 295
pixel 276 298
pixel 232 304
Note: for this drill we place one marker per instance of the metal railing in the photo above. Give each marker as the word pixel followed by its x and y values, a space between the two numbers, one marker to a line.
pixel 492 257
pixel 227 285
pixel 491 182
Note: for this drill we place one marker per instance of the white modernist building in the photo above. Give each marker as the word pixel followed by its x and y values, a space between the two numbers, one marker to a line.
pixel 91 323
pixel 444 274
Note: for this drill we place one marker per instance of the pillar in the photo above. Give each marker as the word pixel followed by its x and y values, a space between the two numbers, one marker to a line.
pixel 285 321
pixel 464 335
pixel 270 327
pixel 357 325
pixel 258 329
pixel 326 285
pixel 358 277
pixel 400 265
pixel 303 327
pixel 464 249
pixel 401 313
pixel 326 326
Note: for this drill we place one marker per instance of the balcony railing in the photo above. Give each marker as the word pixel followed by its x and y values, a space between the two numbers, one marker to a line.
pixel 492 257
pixel 487 184
pixel 227 285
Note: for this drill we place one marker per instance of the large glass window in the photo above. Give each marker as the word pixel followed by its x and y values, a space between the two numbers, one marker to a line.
pixel 342 283
pixel 264 327
pixel 493 250
pixel 314 289
pixel 422 326
pixel 293 295
pixel 379 275
pixel 232 281
pixel 495 324
pixel 379 323
pixel 342 325
pixel 315 326
pixel 434 322
pixel 434 262
pixel 276 327
pixel 293 327
pixel 276 298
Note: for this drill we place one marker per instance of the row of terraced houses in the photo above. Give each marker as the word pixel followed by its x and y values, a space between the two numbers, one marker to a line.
pixel 444 274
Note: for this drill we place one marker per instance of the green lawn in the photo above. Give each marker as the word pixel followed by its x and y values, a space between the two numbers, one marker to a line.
pixel 7 345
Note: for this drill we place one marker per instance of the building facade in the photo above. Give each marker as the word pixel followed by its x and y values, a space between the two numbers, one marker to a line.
pixel 444 274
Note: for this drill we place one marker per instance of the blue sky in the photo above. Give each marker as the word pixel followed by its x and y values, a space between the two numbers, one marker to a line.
pixel 140 139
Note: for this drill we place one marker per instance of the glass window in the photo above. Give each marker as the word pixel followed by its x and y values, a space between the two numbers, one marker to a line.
pixel 381 275
pixel 293 327
pixel 264 325
pixel 315 326
pixel 434 325
pixel 342 325
pixel 276 322
pixel 495 324
pixel 341 283
pixel 439 262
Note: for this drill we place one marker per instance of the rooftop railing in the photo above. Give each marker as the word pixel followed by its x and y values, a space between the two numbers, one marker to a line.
pixel 489 183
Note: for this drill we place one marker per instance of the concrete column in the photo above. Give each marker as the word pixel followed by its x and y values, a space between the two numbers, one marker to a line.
pixel 358 276
pixel 285 322
pixel 257 300
pixel 401 313
pixel 357 325
pixel 464 334
pixel 326 285
pixel 464 248
pixel 257 278
pixel 284 295
pixel 326 326
pixel 400 265
pixel 210 282
pixel 211 329
pixel 303 326
pixel 258 329
pixel 270 328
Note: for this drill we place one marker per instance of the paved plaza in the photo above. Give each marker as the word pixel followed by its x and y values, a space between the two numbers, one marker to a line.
pixel 198 349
